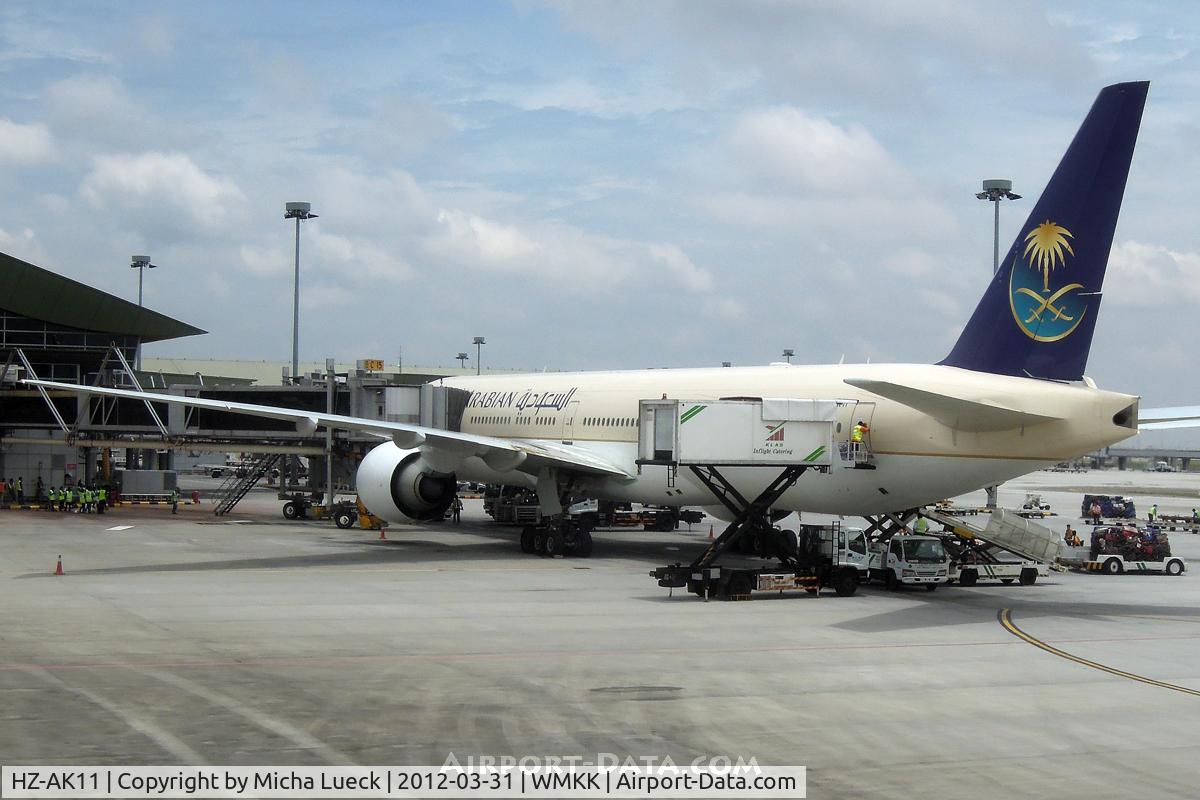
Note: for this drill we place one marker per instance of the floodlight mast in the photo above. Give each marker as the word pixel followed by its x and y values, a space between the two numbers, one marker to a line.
pixel 788 353
pixel 141 264
pixel 462 360
pixel 995 190
pixel 479 342
pixel 297 211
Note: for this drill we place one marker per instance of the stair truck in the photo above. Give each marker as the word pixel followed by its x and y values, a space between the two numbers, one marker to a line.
pixel 987 554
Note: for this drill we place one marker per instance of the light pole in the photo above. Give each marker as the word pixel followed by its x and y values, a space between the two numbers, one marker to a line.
pixel 996 190
pixel 479 342
pixel 141 264
pixel 788 353
pixel 297 211
pixel 462 360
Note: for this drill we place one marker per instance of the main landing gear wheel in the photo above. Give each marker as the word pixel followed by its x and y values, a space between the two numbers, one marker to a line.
pixel 583 544
pixel 528 535
pixel 539 541
pixel 552 544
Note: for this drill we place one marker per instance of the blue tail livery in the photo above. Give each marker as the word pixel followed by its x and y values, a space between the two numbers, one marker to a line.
pixel 1037 316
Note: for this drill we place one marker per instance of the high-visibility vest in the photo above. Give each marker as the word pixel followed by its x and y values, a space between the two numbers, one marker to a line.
pixel 922 525
pixel 103 494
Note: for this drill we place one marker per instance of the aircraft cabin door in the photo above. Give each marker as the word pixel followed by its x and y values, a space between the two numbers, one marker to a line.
pixel 569 422
pixel 849 413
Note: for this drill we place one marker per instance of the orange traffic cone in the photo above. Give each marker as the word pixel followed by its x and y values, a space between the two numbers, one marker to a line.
pixel 710 533
pixel 58 570
pixel 382 535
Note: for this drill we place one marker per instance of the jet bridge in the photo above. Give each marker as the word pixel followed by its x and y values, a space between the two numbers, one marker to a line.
pixel 784 436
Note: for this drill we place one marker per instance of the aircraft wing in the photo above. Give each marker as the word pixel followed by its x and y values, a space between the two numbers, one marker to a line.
pixel 1154 419
pixel 955 412
pixel 448 447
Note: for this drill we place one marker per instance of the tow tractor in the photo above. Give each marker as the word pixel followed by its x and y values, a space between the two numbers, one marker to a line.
pixel 1125 548
pixel 782 437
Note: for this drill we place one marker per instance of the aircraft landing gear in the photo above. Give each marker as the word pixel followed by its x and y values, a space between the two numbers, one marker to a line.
pixel 559 537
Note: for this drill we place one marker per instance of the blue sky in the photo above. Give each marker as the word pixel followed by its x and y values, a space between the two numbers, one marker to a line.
pixel 591 185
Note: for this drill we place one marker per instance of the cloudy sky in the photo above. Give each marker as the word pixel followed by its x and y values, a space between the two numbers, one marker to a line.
pixel 592 185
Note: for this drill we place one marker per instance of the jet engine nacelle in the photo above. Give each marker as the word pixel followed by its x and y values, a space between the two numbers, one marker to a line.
pixel 397 484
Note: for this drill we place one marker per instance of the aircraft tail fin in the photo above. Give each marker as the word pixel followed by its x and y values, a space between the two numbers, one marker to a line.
pixel 1037 316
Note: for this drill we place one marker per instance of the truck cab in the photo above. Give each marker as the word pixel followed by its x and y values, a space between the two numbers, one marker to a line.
pixel 910 559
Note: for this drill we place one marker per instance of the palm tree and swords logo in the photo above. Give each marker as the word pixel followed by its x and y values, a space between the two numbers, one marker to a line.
pixel 1045 314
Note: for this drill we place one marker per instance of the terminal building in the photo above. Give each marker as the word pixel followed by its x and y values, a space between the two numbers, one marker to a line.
pixel 55 328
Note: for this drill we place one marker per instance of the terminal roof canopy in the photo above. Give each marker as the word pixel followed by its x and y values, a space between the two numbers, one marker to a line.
pixel 43 295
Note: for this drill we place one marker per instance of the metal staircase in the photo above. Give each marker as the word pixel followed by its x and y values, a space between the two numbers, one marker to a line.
pixel 230 493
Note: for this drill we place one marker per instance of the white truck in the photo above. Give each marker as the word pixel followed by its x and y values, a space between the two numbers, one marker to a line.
pixel 1113 564
pixel 1026 572
pixel 909 560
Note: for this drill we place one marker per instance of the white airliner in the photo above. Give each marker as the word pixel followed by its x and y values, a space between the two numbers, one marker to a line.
pixel 1010 398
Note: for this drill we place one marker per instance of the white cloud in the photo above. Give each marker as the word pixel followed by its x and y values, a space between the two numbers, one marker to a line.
pixel 23 244
pixel 1151 275
pixel 787 170
pixel 24 144
pixel 163 190
pixel 788 146
pixel 575 259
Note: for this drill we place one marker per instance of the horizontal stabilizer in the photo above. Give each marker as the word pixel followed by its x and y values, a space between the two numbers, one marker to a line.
pixel 1154 419
pixel 955 412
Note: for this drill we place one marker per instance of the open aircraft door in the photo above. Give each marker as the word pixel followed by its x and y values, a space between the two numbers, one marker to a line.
pixel 849 413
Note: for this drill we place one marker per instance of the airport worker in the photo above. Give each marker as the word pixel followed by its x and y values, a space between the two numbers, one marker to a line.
pixel 1095 509
pixel 53 495
pixel 456 507
pixel 175 501
pixel 20 490
pixel 101 498
pixel 1150 515
pixel 1195 517
pixel 922 525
